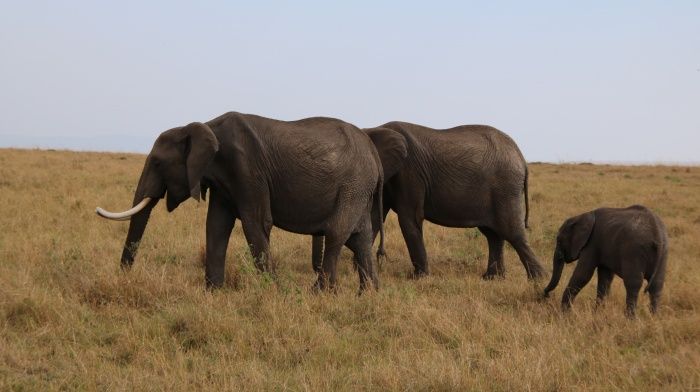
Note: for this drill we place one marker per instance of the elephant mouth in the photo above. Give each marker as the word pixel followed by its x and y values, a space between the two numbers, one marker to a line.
pixel 124 215
pixel 174 199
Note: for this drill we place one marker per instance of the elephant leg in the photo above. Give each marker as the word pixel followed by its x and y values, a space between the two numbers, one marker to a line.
pixel 356 250
pixel 412 230
pixel 495 267
pixel 361 244
pixel 257 234
pixel 510 226
pixel 533 268
pixel 327 276
pixel 317 252
pixel 632 285
pixel 340 230
pixel 655 296
pixel 581 276
pixel 605 278
pixel 220 222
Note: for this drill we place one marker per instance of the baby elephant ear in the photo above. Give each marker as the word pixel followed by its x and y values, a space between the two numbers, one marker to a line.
pixel 202 145
pixel 581 229
pixel 391 147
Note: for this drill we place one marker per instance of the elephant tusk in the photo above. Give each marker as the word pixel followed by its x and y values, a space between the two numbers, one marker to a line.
pixel 126 215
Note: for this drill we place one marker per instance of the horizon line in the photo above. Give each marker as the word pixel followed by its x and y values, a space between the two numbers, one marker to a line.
pixel 533 162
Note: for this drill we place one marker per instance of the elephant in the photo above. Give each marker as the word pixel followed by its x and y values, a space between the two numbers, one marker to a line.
pixel 312 176
pixel 466 176
pixel 629 242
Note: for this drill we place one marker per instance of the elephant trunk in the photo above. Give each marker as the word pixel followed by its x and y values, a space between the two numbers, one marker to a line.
pixel 149 187
pixel 556 275
pixel 149 191
pixel 137 226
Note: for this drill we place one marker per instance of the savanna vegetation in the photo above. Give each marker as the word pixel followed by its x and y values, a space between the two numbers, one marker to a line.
pixel 71 319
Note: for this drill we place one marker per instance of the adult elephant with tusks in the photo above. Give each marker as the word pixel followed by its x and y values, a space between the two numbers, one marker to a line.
pixel 318 176
pixel 467 176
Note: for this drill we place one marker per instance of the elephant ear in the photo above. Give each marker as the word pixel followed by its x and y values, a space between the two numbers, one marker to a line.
pixel 391 147
pixel 580 228
pixel 201 146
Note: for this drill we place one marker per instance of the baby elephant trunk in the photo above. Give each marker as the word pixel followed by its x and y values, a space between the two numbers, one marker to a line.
pixel 556 275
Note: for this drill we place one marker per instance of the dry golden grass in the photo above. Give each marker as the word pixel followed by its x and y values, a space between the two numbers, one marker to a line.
pixel 70 319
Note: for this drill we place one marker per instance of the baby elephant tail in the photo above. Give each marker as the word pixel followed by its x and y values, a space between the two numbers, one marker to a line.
pixel 378 215
pixel 656 279
pixel 527 201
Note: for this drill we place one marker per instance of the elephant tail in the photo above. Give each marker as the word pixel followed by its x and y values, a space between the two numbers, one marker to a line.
pixel 656 279
pixel 527 199
pixel 381 252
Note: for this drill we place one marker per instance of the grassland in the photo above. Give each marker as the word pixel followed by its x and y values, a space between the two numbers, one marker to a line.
pixel 71 319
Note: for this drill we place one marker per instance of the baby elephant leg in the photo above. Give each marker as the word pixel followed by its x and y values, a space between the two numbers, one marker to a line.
pixel 632 284
pixel 581 276
pixel 655 296
pixel 605 278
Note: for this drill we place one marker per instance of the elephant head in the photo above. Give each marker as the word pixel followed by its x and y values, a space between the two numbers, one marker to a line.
pixel 173 169
pixel 572 238
pixel 391 148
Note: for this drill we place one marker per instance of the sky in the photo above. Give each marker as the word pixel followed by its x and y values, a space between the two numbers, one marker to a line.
pixel 578 81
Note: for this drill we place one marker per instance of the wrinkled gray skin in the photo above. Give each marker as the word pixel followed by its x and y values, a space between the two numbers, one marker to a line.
pixel 392 150
pixel 467 176
pixel 318 176
pixel 628 242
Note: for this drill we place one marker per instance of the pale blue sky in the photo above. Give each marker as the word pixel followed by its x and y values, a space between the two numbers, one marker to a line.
pixel 569 81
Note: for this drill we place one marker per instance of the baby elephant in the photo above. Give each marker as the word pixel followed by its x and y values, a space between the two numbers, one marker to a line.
pixel 629 242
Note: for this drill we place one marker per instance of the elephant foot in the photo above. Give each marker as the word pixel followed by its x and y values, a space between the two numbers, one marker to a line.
pixel 214 281
pixel 214 286
pixel 369 285
pixel 322 285
pixel 488 275
pixel 317 287
pixel 566 307
pixel 381 259
pixel 365 289
pixel 536 273
pixel 541 298
pixel 417 274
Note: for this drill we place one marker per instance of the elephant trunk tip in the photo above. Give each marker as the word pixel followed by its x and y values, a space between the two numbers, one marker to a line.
pixel 556 275
pixel 550 287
